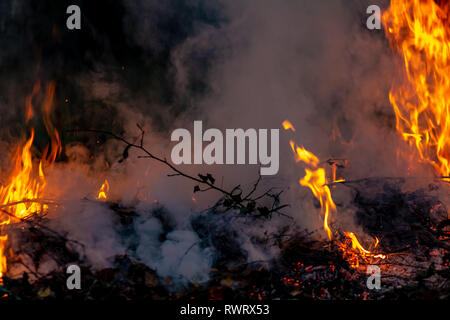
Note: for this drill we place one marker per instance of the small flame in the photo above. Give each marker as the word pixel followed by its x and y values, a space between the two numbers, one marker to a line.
pixel 103 191
pixel 304 155
pixel 29 101
pixel 315 179
pixel 287 125
pixel 358 251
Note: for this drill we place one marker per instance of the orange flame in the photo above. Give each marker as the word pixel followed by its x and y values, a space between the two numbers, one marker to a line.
pixel 29 101
pixel 3 239
pixel 301 154
pixel 315 179
pixel 317 182
pixel 418 30
pixel 103 191
pixel 358 251
pixel 55 145
pixel 23 185
pixel 20 196
pixel 287 125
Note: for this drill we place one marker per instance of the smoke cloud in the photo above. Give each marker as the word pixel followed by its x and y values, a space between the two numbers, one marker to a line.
pixel 162 65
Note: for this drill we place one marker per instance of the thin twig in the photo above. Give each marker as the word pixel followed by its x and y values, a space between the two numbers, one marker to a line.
pixel 234 194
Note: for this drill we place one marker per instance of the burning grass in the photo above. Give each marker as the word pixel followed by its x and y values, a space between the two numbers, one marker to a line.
pixel 405 233
pixel 306 268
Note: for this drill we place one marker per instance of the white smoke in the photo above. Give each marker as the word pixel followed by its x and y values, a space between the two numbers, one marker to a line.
pixel 312 62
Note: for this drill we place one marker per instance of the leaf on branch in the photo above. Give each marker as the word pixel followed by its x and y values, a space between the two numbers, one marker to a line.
pixel 203 178
pixel 264 211
pixel 125 153
pixel 236 197
pixel 251 206
pixel 196 189
pixel 210 178
pixel 236 194
pixel 227 203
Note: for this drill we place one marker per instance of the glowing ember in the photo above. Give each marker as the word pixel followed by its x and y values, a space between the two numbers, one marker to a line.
pixel 20 197
pixel 419 31
pixel 104 190
pixel 315 179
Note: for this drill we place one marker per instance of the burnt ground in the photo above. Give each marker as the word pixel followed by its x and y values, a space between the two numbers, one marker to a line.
pixel 412 227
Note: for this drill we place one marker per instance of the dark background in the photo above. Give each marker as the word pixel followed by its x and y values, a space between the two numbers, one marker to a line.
pixel 36 45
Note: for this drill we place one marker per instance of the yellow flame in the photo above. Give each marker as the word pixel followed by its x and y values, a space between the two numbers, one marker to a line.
pixel 419 31
pixel 287 125
pixel 103 191
pixel 315 179
pixel 22 186
pixel 301 154
pixel 358 251
pixel 3 265
pixel 25 186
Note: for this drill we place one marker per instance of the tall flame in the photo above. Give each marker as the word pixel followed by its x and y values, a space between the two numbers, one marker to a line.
pixel 419 31
pixel 22 185
pixel 3 239
pixel 20 196
pixel 315 179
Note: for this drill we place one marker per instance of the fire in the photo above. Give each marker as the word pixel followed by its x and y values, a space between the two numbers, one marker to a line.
pixel 358 251
pixel 301 154
pixel 20 197
pixel 419 31
pixel 103 191
pixel 3 239
pixel 287 125
pixel 316 180
pixel 23 185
